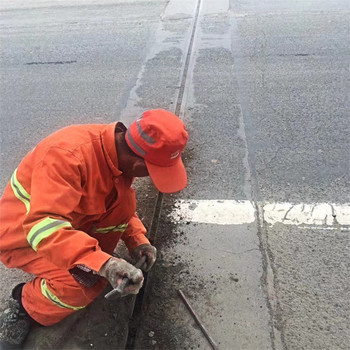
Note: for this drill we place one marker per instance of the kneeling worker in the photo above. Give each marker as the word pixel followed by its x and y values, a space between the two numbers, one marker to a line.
pixel 67 205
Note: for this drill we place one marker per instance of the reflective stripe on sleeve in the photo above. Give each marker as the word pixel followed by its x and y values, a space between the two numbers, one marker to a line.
pixel 44 229
pixel 52 297
pixel 119 228
pixel 19 191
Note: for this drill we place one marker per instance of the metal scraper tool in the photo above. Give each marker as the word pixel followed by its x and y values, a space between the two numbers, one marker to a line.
pixel 120 289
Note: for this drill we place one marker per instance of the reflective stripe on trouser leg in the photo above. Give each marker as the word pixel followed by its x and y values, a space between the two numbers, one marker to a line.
pixel 69 297
pixel 119 228
pixel 54 299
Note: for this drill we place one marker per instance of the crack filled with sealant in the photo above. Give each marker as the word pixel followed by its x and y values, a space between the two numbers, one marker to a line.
pixel 53 62
pixel 230 251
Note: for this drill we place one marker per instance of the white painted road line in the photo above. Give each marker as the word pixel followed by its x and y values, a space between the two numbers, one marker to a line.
pixel 220 212
pixel 323 214
pixel 231 212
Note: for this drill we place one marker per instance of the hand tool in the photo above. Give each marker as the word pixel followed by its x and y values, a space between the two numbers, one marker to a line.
pixel 120 289
pixel 194 315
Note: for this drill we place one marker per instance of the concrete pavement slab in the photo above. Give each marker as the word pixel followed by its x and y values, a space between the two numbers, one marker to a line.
pixel 106 44
pixel 292 69
pixel 312 280
pixel 291 66
pixel 218 267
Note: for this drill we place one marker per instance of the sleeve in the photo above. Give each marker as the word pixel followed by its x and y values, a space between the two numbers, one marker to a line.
pixel 56 190
pixel 135 233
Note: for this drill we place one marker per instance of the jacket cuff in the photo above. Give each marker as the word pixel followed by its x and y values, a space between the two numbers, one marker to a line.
pixel 94 260
pixel 134 241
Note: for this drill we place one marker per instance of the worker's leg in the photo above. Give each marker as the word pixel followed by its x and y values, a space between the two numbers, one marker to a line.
pixel 47 299
pixel 55 294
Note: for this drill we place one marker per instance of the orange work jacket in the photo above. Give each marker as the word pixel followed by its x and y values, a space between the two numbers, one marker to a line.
pixel 68 202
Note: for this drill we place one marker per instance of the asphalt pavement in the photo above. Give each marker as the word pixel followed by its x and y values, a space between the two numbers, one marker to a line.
pixel 259 240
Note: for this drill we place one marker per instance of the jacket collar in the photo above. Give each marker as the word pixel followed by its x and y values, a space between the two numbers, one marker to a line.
pixel 109 146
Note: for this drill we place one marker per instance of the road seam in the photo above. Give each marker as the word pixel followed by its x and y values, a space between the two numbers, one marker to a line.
pixel 179 107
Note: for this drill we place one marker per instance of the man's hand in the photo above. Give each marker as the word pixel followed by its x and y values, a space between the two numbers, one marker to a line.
pixel 116 269
pixel 149 251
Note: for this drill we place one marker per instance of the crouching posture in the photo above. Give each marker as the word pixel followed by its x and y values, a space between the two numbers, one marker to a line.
pixel 67 205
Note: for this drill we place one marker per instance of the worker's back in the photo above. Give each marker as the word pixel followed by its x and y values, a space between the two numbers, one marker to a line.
pixel 75 167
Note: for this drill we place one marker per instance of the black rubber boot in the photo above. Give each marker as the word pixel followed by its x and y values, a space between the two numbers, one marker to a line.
pixel 15 322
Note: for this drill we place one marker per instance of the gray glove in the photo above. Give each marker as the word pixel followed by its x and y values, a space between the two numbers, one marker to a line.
pixel 116 269
pixel 149 251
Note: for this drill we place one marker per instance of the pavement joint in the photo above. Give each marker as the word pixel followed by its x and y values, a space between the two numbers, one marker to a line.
pixel 268 283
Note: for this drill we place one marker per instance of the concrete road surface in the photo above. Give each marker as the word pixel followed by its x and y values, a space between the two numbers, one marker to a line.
pixel 259 241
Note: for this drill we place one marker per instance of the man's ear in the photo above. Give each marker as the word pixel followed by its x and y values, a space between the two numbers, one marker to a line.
pixel 138 162
pixel 139 167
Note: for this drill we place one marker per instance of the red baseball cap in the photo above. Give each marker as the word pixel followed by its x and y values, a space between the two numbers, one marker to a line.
pixel 159 137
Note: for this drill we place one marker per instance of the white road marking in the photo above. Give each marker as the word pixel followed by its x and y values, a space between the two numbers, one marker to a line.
pixel 220 212
pixel 231 212
pixel 325 214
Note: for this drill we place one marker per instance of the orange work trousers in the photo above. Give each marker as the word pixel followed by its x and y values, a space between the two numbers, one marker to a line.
pixel 54 293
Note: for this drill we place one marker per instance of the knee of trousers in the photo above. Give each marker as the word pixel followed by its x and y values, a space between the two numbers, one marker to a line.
pixel 48 301
pixel 74 292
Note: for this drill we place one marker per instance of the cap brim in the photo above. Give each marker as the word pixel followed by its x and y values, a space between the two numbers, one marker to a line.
pixel 168 179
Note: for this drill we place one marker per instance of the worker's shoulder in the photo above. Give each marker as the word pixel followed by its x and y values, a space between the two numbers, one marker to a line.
pixel 75 140
pixel 74 136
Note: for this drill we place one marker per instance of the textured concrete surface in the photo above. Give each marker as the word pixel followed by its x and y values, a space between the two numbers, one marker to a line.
pixel 65 63
pixel 291 63
pixel 218 268
pixel 312 280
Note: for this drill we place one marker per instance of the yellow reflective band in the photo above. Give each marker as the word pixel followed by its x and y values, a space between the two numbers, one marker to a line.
pixel 119 228
pixel 19 191
pixel 105 229
pixel 52 297
pixel 44 229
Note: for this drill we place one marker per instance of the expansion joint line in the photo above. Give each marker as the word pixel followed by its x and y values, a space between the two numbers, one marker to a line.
pixel 132 334
pixel 268 282
pixel 268 277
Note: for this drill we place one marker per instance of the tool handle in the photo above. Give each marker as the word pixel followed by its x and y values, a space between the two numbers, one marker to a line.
pixel 122 285
pixel 141 261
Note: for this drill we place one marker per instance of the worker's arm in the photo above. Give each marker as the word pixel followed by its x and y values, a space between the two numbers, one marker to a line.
pixel 134 235
pixel 56 190
pixel 138 244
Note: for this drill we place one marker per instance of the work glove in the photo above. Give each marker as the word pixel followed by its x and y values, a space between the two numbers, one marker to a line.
pixel 149 251
pixel 116 269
